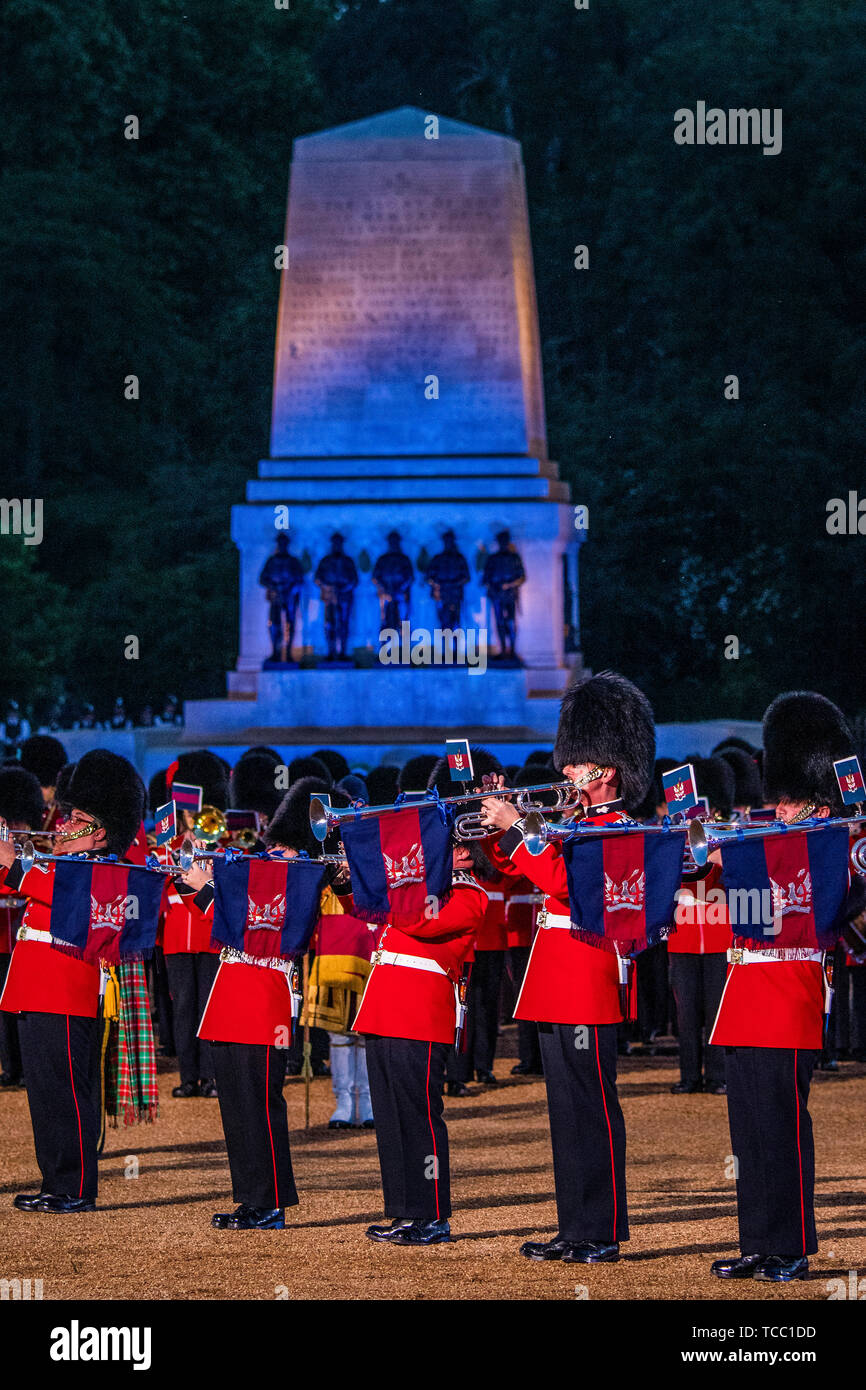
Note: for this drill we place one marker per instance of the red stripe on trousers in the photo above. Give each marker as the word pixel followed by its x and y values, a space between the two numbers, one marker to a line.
pixel 432 1135
pixel 609 1133
pixel 800 1155
pixel 270 1132
pixel 77 1111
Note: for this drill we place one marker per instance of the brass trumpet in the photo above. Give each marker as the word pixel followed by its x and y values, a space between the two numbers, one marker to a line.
pixel 324 817
pixel 702 845
pixel 209 824
pixel 537 832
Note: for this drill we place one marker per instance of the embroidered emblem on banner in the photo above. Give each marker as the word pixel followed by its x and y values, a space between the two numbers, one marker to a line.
pixel 797 897
pixel 108 914
pixel 408 868
pixel 630 893
pixel 270 914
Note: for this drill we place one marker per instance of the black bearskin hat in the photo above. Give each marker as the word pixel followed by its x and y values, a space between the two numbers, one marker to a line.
pixel 157 790
pixel 714 779
pixel 290 824
pixel 733 742
pixel 309 767
pixel 747 778
pixel 253 785
pixel 655 795
pixel 382 784
pixel 415 774
pixel 204 769
pixel 354 787
pixel 608 721
pixel 21 798
pixel 260 748
pixel 61 789
pixel 804 734
pixel 44 756
pixel 334 762
pixel 108 787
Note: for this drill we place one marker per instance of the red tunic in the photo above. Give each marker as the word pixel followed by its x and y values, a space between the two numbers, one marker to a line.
pixel 42 979
pixel 403 1001
pixel 702 924
pixel 247 1003
pixel 184 929
pixel 522 901
pixel 566 981
pixel 492 935
pixel 780 1004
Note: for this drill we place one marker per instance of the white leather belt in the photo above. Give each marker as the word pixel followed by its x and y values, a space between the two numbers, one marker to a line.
pixel 740 955
pixel 495 897
pixel 229 957
pixel 526 898
pixel 413 962
pixel 553 919
pixel 31 934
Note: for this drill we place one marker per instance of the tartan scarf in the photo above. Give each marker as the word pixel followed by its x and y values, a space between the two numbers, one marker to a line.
pixel 131 1087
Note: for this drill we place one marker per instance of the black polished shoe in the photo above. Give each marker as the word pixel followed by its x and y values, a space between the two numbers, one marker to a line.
pixel 62 1205
pixel 486 1078
pixel 26 1201
pixel 207 1089
pixel 386 1232
pixel 320 1069
pixel 367 1124
pixel 686 1088
pixel 456 1089
pixel 591 1252
pixel 185 1091
pixel 546 1249
pixel 781 1269
pixel 340 1124
pixel 738 1267
pixel 524 1069
pixel 7 1079
pixel 716 1088
pixel 421 1233
pixel 248 1218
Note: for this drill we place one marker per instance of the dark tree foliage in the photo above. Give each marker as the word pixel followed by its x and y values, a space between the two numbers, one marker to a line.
pixel 155 257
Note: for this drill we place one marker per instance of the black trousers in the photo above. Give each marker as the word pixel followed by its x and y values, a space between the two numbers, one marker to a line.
pixel 406 1082
pixel 587 1130
pixel 10 1048
pixel 528 1049
pixel 249 1078
pixel 485 987
pixel 771 1139
pixel 190 978
pixel 697 982
pixel 652 991
pixel 59 1052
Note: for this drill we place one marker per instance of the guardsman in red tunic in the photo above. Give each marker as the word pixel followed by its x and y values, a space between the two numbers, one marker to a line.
pixel 697 950
pixel 190 960
pixel 44 755
pixel 410 1012
pixel 605 745
pixel 21 807
pixel 770 1019
pixel 56 995
pixel 248 1022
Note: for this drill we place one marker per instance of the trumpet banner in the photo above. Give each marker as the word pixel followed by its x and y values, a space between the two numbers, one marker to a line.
pixel 400 863
pixel 622 888
pixel 266 907
pixel 787 890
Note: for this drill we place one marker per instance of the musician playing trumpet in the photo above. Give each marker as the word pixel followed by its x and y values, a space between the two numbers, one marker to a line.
pixel 605 745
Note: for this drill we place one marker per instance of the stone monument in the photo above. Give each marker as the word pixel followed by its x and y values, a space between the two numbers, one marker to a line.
pixel 407 395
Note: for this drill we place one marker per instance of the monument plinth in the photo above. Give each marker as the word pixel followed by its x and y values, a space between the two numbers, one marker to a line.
pixel 407 395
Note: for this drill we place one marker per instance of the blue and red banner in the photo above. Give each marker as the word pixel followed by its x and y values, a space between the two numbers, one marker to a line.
pixel 622 888
pixel 398 861
pixel 186 797
pixel 104 912
pixel 850 778
pixel 679 787
pixel 266 907
pixel 787 889
pixel 164 823
pixel 459 759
